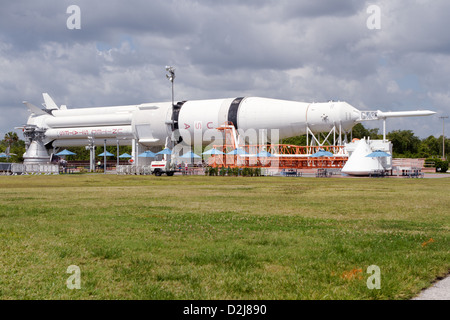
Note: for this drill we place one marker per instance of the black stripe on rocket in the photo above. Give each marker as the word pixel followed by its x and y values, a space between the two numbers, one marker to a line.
pixel 233 111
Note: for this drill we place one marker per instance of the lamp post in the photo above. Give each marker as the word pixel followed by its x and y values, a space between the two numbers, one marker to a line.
pixel 117 165
pixel 443 136
pixel 104 157
pixel 171 77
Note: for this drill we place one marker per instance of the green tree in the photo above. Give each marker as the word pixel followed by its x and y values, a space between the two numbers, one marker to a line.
pixel 404 143
pixel 359 132
pixel 82 154
pixel 297 141
pixel 14 146
pixel 429 147
pixel 11 138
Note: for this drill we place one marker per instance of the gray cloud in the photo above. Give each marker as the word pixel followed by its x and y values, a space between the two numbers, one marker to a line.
pixel 322 8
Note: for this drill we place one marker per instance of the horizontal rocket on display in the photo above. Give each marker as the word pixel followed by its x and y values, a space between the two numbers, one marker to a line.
pixel 151 124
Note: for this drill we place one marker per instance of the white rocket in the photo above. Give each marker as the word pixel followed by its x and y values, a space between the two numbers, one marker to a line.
pixel 157 124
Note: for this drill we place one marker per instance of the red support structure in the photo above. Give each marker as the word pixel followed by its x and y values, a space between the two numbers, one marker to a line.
pixel 285 156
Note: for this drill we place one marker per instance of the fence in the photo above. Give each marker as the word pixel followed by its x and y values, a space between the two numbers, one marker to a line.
pixel 5 168
pixel 403 166
pixel 146 170
pixel 20 168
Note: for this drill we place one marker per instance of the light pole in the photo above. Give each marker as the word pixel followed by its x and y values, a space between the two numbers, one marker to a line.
pixel 443 136
pixel 171 76
pixel 104 157
pixel 117 165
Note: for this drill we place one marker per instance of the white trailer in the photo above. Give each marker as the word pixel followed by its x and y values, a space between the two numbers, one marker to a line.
pixel 162 167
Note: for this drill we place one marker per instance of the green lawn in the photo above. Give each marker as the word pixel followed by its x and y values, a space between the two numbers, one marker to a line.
pixel 196 237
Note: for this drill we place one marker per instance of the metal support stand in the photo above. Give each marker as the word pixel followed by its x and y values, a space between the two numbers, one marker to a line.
pixel 91 148
pixel 104 157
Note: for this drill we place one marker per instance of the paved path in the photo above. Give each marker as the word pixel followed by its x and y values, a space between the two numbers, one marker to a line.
pixel 439 291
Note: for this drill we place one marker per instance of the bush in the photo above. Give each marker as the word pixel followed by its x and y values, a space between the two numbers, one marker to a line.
pixel 222 171
pixel 441 165
pixel 213 171
pixel 251 172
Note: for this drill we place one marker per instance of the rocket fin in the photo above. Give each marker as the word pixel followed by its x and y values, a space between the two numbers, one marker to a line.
pixel 33 109
pixel 49 103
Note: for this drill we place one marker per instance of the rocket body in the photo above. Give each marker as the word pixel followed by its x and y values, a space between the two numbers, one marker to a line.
pixel 152 123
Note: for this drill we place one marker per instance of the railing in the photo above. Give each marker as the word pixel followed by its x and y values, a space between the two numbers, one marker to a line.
pixel 323 173
pixel 413 173
pixel 21 168
pixel 290 173
pixel 146 170
pixel 402 165
pixel 378 173
pixel 5 168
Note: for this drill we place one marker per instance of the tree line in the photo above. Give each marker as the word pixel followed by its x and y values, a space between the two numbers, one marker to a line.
pixel 405 145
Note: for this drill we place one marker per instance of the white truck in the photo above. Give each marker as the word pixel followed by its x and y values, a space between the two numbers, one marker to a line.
pixel 159 167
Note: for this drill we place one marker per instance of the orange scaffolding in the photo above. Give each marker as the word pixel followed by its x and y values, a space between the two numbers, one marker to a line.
pixel 284 156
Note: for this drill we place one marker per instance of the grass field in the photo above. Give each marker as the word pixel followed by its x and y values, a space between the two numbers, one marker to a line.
pixel 195 237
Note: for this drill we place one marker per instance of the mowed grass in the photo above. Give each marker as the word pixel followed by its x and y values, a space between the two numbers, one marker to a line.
pixel 196 237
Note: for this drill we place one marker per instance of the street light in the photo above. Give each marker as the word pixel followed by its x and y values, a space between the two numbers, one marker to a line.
pixel 104 157
pixel 117 151
pixel 443 136
pixel 171 76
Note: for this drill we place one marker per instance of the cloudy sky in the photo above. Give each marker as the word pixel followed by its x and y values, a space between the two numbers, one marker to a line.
pixel 299 50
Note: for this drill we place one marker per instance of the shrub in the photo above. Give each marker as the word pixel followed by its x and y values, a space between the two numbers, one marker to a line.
pixel 213 171
pixel 441 165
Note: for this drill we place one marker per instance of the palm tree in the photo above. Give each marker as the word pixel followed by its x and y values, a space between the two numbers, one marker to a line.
pixel 11 138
